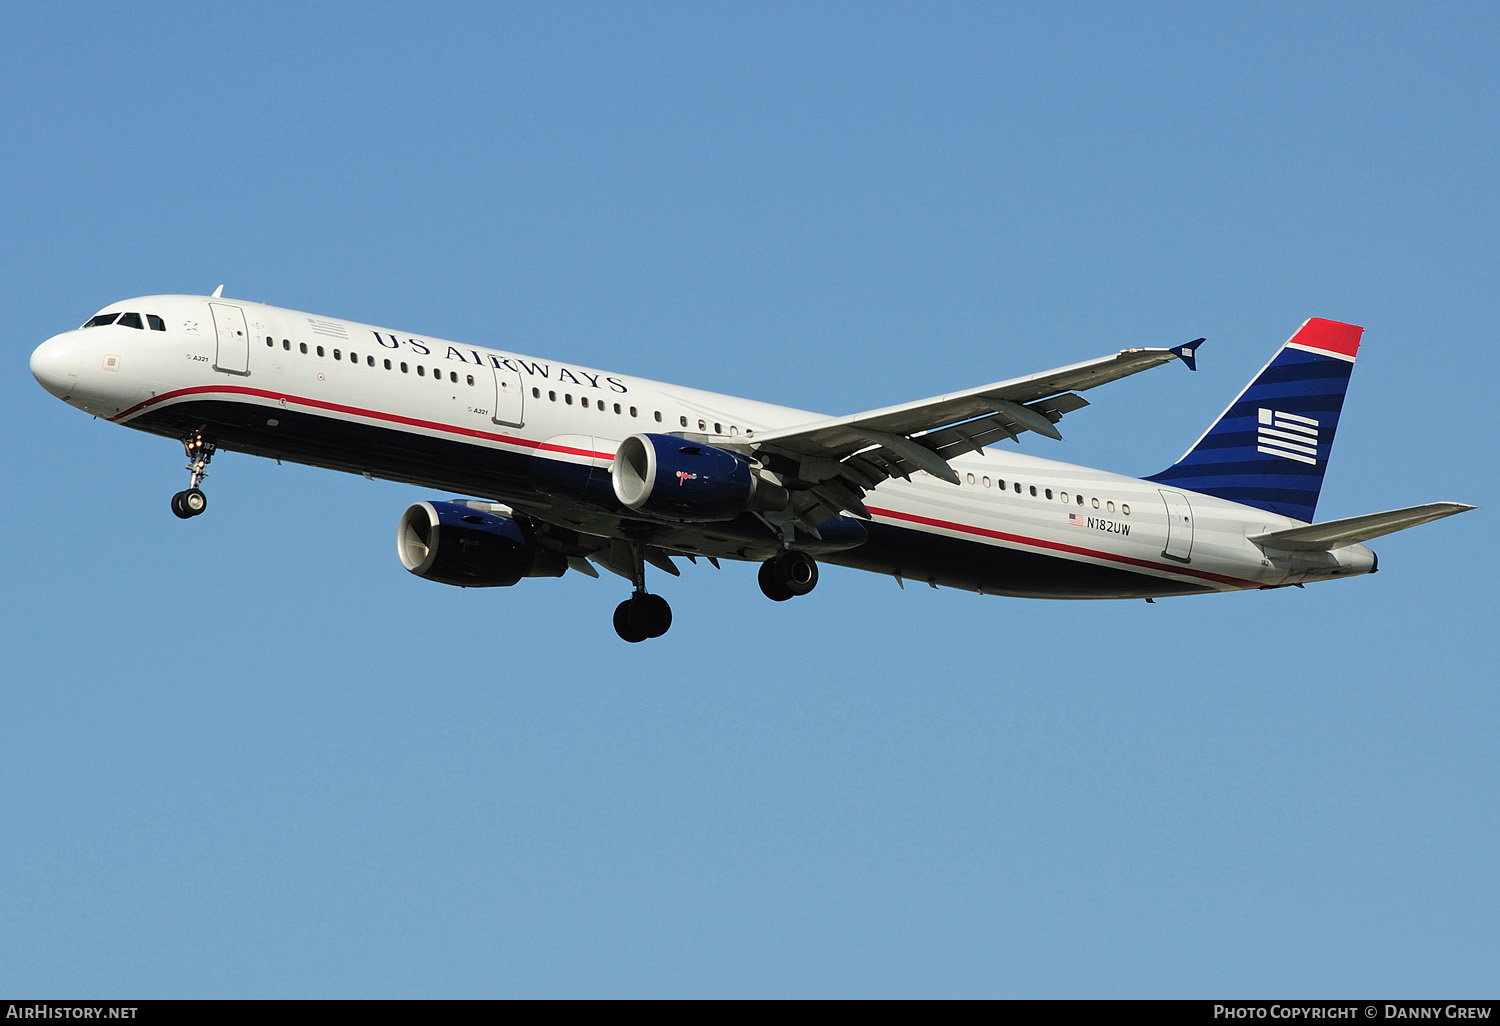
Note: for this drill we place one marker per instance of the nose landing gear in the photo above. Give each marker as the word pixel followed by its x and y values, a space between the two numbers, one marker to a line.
pixel 200 449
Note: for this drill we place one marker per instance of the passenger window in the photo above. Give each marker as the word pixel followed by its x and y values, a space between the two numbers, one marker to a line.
pixel 387 364
pixel 353 356
pixel 1111 505
pixel 421 371
pixel 658 416
pixel 99 320
pixel 1000 483
pixel 682 421
pixel 1096 503
pixel 552 397
pixel 131 320
pixel 1125 508
pixel 403 366
pixel 336 354
pixel 971 479
pixel 986 481
pixel 632 411
pixel 701 425
pixel 568 398
pixel 582 400
pixel 1033 490
pixel 471 380
pixel 617 407
pixel 1080 500
pixel 1049 493
pixel 270 342
pixel 320 350
pixel 1018 488
pixel 733 431
pixel 536 393
pixel 303 347
pixel 370 362
pixel 286 344
pixel 156 323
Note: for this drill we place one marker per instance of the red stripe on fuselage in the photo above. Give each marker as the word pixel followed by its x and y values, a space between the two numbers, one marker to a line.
pixel 1076 550
pixel 356 411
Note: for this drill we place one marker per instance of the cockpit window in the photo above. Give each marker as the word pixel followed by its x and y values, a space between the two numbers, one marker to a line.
pixel 99 320
pixel 156 323
pixel 132 320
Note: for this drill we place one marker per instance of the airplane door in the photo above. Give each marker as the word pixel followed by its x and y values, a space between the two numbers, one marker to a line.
pixel 1179 526
pixel 233 354
pixel 509 396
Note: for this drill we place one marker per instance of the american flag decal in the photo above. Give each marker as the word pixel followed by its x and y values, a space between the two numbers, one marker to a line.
pixel 1288 435
pixel 1077 520
pixel 331 328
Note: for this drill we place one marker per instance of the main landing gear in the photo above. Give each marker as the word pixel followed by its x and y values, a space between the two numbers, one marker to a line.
pixel 642 615
pixel 788 575
pixel 200 449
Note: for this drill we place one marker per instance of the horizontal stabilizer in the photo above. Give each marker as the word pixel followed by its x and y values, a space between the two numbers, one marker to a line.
pixel 1334 533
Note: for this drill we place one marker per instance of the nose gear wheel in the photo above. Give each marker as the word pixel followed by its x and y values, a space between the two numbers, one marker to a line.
pixel 189 503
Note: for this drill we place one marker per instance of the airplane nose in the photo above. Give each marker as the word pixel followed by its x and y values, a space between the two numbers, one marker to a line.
pixel 55 365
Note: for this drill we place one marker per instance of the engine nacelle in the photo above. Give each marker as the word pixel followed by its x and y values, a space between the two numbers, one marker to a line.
pixel 682 480
pixel 451 543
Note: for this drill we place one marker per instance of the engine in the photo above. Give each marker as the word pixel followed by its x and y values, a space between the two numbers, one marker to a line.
pixel 671 477
pixel 451 543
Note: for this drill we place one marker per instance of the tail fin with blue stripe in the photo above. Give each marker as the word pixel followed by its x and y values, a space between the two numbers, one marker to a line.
pixel 1270 447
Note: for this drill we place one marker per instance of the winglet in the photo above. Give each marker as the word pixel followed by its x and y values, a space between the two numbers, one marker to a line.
pixel 219 292
pixel 1187 352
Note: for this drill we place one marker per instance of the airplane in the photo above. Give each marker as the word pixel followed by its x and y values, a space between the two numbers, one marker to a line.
pixel 567 467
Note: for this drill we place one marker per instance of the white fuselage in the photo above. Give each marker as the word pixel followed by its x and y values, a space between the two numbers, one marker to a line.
pixel 517 430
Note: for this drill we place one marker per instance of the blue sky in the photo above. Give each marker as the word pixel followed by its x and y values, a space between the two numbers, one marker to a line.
pixel 249 755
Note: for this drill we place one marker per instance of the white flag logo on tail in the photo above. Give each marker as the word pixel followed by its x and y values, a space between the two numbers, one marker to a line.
pixel 1288 435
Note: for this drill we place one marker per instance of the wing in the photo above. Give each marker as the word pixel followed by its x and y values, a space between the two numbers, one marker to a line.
pixel 830 464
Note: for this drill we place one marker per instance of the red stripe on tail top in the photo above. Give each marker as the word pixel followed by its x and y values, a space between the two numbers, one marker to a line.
pixel 1332 337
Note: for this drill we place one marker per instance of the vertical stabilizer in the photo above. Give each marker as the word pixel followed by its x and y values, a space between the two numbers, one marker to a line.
pixel 1270 447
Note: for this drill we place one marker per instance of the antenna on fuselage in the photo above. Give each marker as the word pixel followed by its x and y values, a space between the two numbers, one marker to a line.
pixel 219 292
